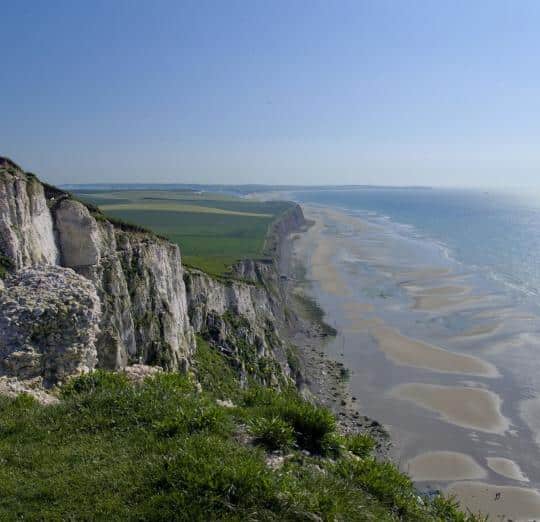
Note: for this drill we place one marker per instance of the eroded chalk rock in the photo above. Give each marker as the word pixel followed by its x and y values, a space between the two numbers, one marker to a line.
pixel 49 319
pixel 137 373
pixel 13 387
pixel 78 234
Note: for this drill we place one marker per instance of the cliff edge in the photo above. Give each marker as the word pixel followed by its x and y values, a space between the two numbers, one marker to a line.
pixel 147 314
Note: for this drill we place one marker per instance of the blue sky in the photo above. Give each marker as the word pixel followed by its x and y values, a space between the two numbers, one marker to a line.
pixel 377 92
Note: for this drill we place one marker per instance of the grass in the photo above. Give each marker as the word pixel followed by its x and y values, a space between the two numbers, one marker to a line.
pixel 272 432
pixel 214 372
pixel 181 207
pixel 309 423
pixel 359 444
pixel 164 451
pixel 6 265
pixel 214 231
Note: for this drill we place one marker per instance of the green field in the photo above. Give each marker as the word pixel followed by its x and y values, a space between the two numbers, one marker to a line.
pixel 213 230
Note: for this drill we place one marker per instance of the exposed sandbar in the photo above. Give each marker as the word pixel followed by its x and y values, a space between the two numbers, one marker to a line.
pixel 507 468
pixel 482 329
pixel 473 408
pixel 411 352
pixel 425 274
pixel 444 466
pixel 438 302
pixel 439 290
pixel 512 503
pixel 323 269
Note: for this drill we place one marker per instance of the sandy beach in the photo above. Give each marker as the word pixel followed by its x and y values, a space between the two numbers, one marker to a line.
pixel 444 465
pixel 501 502
pixel 411 352
pixel 418 340
pixel 507 468
pixel 473 408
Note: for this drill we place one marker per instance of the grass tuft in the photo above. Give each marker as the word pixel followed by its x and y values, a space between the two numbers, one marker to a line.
pixel 273 433
pixel 359 444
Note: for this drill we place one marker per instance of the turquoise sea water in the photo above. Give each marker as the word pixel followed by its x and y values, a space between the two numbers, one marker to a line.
pixel 496 232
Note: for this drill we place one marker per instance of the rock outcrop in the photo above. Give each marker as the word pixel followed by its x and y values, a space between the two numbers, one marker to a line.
pixel 13 387
pixel 241 320
pixel 138 276
pixel 147 314
pixel 26 225
pixel 49 320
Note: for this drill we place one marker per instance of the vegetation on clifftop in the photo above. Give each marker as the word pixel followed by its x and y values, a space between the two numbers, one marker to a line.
pixel 213 230
pixel 164 450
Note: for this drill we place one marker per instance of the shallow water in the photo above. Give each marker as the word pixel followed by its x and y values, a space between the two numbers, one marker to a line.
pixel 442 352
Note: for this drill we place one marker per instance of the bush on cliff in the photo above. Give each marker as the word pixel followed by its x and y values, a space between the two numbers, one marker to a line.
pixel 310 423
pixel 273 433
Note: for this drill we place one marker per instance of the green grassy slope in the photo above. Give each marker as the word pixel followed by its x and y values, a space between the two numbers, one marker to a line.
pixel 213 230
pixel 163 451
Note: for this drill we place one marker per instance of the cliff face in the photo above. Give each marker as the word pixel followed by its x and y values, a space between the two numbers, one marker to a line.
pixel 26 227
pixel 138 277
pixel 147 314
pixel 242 320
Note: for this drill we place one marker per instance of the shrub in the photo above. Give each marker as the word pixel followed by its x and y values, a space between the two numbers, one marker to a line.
pixel 167 453
pixel 195 415
pixel 293 360
pixel 165 403
pixel 447 508
pixel 94 381
pixel 170 383
pixel 360 444
pixel 332 445
pixel 258 396
pixel 273 432
pixel 214 372
pixel 310 422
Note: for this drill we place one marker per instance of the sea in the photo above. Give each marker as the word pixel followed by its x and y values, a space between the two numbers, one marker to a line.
pixel 455 270
pixel 497 232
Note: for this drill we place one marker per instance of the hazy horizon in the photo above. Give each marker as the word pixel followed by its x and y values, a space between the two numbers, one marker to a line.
pixel 304 93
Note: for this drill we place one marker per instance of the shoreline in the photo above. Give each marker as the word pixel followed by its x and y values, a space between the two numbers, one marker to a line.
pixel 433 292
pixel 324 378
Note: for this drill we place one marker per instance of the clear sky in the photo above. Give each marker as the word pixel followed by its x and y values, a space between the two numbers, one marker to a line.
pixel 378 92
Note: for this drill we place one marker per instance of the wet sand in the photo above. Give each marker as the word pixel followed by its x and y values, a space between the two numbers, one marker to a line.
pixel 440 302
pixel 473 408
pixel 451 432
pixel 411 352
pixel 530 412
pixel 507 468
pixel 433 298
pixel 321 266
pixel 353 311
pixel 445 466
pixel 482 329
pixel 512 503
pixel 440 291
pixel 416 276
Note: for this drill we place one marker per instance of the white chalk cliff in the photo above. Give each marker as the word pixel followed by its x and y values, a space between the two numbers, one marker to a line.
pixel 146 313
